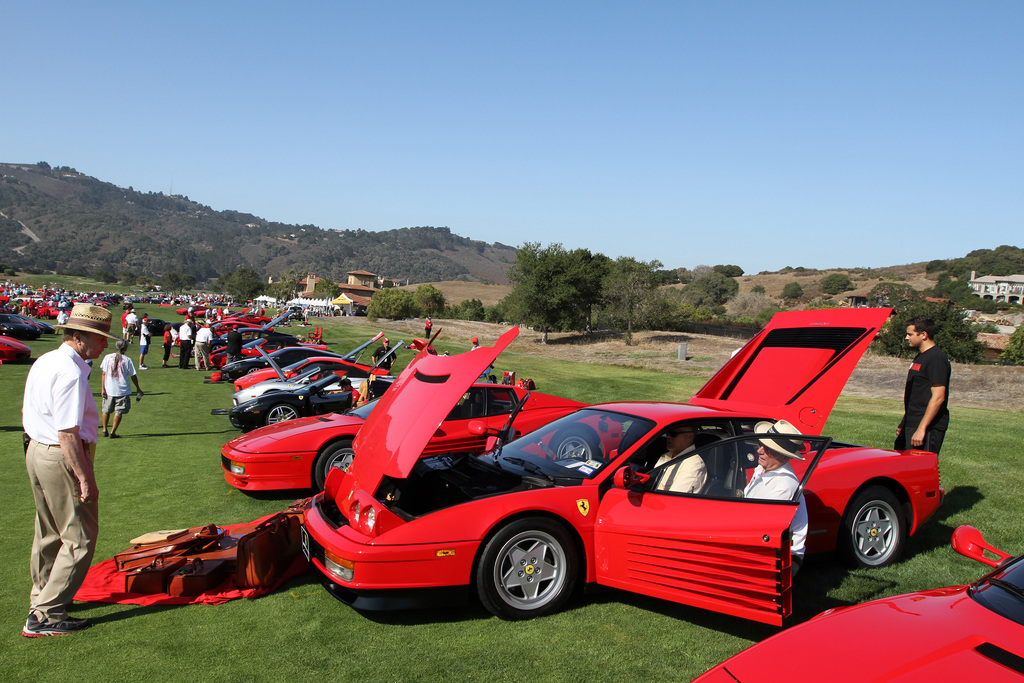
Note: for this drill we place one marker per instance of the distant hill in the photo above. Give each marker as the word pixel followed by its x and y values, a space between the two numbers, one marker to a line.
pixel 57 219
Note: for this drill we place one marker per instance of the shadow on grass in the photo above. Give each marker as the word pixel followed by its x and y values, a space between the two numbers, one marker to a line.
pixel 702 618
pixel 284 495
pixel 129 612
pixel 936 532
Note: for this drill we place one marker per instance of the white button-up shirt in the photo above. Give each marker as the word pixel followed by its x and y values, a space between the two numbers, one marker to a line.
pixel 781 484
pixel 58 397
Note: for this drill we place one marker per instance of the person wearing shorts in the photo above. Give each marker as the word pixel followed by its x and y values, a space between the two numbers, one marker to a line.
pixel 145 336
pixel 115 389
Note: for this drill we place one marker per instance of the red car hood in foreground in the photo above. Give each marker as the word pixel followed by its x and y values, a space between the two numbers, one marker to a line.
pixel 926 636
pixel 961 633
pixel 796 367
pixel 396 433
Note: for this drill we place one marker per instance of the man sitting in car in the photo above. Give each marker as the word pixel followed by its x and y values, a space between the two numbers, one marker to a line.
pixel 774 478
pixel 687 473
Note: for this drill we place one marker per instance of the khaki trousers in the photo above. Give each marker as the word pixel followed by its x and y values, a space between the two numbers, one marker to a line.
pixel 65 533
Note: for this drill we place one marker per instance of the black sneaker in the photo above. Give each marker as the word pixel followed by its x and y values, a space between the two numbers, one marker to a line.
pixel 31 622
pixel 114 436
pixel 40 629
pixel 106 433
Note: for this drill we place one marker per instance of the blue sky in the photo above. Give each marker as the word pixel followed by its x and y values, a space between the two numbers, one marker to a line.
pixel 763 134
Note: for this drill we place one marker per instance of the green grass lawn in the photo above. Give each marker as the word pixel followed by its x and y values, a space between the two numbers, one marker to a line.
pixel 165 473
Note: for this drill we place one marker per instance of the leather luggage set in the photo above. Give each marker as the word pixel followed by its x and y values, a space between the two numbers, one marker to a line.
pixel 188 562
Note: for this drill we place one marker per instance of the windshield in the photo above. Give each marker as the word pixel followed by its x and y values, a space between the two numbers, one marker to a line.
pixel 364 410
pixel 578 446
pixel 1002 591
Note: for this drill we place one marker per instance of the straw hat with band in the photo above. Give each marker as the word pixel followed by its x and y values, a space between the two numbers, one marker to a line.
pixel 788 447
pixel 88 318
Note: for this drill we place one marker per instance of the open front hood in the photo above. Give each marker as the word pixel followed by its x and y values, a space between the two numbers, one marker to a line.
pixel 796 367
pixel 406 417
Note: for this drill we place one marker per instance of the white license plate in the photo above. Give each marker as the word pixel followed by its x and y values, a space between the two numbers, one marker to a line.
pixel 305 542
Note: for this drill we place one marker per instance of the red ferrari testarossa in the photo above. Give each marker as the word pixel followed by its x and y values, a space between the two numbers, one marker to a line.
pixel 582 499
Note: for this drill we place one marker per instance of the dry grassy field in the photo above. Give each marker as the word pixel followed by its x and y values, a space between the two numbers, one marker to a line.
pixel 876 376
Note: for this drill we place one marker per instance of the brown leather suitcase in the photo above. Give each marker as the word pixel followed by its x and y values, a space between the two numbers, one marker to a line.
pixel 266 553
pixel 197 576
pixel 154 577
pixel 190 542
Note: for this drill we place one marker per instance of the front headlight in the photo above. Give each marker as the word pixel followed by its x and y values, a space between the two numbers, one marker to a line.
pixel 343 569
pixel 356 509
pixel 236 467
pixel 371 517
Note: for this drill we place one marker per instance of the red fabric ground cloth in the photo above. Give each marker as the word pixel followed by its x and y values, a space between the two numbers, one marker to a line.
pixel 104 583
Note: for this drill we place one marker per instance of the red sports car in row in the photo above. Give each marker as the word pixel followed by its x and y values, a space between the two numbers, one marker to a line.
pixel 12 350
pixel 300 453
pixel 583 500
pixel 963 633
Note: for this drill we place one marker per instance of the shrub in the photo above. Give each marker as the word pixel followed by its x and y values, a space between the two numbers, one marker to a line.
pixel 955 336
pixel 793 290
pixel 391 303
pixel 836 283
pixel 1013 354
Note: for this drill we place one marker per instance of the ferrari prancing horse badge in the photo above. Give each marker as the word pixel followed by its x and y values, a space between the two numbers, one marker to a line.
pixel 583 505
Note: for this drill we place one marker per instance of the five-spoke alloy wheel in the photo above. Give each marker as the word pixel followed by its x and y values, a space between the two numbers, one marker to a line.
pixel 874 531
pixel 527 569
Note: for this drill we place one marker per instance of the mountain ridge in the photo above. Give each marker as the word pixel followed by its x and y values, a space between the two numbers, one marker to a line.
pixel 120 230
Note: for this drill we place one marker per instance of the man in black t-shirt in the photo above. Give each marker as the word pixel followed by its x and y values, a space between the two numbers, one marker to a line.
pixel 381 357
pixel 925 398
pixel 234 346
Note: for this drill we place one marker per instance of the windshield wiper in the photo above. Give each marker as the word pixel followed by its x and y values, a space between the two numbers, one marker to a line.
pixel 530 467
pixel 505 433
pixel 1007 586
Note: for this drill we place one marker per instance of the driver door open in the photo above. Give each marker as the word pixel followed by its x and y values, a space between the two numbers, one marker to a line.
pixel 726 553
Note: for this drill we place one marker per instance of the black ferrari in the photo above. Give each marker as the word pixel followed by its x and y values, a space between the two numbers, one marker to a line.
pixel 317 398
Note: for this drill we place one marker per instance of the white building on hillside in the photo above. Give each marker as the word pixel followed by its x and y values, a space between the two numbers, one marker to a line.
pixel 1008 288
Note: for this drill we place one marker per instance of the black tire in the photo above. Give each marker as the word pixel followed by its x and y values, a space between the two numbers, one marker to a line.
pixel 281 412
pixel 579 442
pixel 252 370
pixel 527 569
pixel 338 454
pixel 873 531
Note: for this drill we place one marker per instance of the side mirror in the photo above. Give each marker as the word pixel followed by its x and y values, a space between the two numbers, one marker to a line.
pixel 626 478
pixel 478 428
pixel 969 542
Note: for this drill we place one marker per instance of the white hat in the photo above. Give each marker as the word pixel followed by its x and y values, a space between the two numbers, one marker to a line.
pixel 788 447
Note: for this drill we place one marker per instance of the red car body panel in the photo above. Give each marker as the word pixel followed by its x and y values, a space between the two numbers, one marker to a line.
pixel 13 350
pixel 790 379
pixel 714 561
pixel 933 635
pixel 282 456
pixel 828 490
pixel 722 553
pixel 416 404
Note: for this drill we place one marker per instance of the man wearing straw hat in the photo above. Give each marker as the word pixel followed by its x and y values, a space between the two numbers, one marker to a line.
pixel 61 425
pixel 774 478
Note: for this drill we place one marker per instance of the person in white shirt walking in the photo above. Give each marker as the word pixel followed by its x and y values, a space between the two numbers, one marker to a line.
pixel 204 339
pixel 115 390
